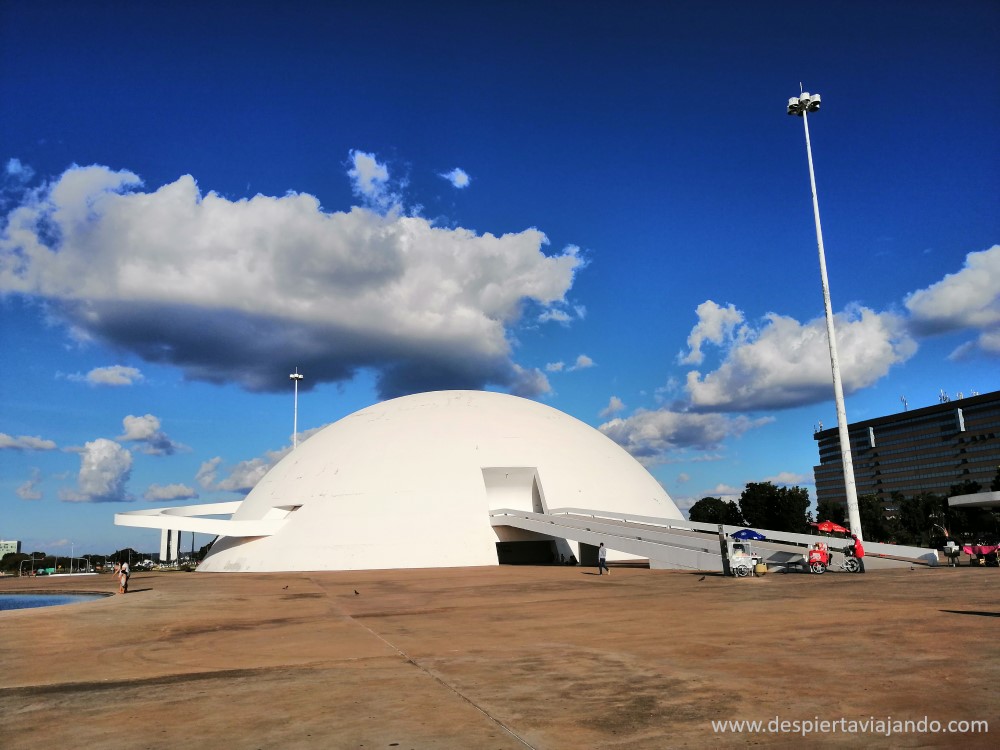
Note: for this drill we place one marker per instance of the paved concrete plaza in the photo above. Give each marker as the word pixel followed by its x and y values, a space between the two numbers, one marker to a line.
pixel 497 658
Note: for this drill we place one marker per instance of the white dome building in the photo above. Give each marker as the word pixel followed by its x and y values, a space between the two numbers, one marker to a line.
pixel 410 483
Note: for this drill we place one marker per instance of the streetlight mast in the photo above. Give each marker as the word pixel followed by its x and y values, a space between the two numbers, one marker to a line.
pixel 295 377
pixel 799 106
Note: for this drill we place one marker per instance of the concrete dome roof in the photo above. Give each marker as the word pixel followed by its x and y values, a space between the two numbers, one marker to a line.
pixel 410 482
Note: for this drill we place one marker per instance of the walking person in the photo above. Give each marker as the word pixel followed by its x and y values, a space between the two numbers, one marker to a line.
pixel 602 560
pixel 125 575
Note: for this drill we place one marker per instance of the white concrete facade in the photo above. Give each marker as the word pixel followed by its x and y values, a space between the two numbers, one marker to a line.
pixel 976 500
pixel 410 483
pixel 165 545
pixel 170 546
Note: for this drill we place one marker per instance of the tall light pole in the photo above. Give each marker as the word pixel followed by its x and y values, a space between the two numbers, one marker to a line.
pixel 800 106
pixel 296 377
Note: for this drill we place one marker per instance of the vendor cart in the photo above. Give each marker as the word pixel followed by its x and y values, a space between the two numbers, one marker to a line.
pixel 742 559
pixel 818 558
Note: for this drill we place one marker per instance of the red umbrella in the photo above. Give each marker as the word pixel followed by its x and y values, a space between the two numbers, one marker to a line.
pixel 829 527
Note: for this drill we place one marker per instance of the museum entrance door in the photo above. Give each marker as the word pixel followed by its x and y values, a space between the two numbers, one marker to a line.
pixel 540 552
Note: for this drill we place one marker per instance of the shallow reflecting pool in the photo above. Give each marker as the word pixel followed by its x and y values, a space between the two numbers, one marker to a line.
pixel 30 601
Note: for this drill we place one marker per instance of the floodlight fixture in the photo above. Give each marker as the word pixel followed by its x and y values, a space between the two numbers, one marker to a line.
pixel 799 105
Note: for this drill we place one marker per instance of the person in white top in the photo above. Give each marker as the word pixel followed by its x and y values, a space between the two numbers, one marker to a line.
pixel 602 560
pixel 118 576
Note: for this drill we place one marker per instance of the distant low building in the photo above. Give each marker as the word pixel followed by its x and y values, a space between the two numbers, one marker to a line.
pixel 913 452
pixel 7 547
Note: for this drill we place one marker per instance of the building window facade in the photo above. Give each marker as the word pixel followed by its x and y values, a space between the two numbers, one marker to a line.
pixel 915 452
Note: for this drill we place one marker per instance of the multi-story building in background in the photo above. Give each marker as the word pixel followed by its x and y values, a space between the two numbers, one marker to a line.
pixel 7 547
pixel 920 451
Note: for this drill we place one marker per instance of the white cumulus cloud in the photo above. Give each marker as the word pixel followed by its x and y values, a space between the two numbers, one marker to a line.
pixel 18 171
pixel 208 473
pixel 784 363
pixel 370 182
pixel 241 290
pixel 29 489
pixel 458 178
pixel 966 300
pixel 25 443
pixel 564 314
pixel 655 436
pixel 528 382
pixel 788 479
pixel 115 375
pixel 146 430
pixel 105 468
pixel 582 362
pixel 163 493
pixel 615 406
pixel 715 324
pixel 726 492
pixel 242 476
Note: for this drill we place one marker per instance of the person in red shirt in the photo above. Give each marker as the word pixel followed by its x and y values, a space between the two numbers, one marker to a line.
pixel 859 552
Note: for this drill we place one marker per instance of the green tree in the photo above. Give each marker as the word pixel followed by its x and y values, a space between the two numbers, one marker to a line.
pixel 995 485
pixel 965 487
pixel 918 516
pixel 973 524
pixel 778 508
pixel 873 522
pixel 203 550
pixel 716 510
pixel 10 562
pixel 124 555
pixel 830 510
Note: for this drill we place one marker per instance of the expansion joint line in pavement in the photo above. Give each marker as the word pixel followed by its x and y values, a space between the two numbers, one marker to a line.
pixel 441 682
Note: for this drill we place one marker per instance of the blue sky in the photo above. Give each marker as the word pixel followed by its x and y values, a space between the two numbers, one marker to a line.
pixel 601 206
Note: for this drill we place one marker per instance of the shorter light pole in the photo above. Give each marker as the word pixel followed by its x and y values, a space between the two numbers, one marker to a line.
pixel 295 377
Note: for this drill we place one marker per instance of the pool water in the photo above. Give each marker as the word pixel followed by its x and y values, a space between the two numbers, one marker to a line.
pixel 30 601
